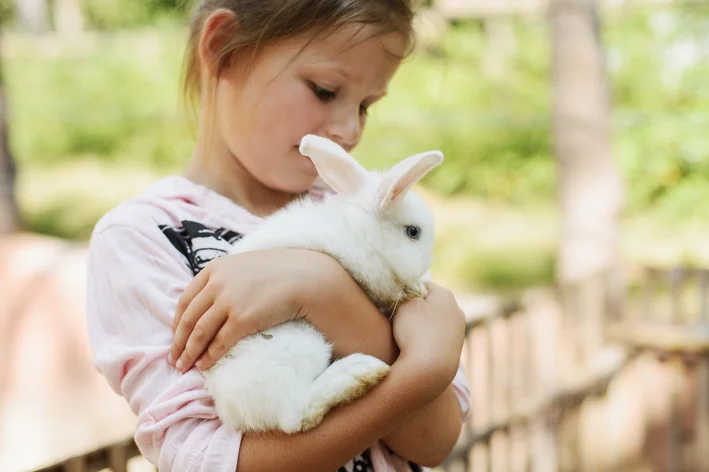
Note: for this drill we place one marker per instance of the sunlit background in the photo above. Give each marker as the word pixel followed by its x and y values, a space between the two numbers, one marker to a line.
pixel 94 115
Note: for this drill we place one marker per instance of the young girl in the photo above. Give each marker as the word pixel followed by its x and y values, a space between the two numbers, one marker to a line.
pixel 266 73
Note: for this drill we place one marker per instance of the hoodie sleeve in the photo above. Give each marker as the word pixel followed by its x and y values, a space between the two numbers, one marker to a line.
pixel 134 283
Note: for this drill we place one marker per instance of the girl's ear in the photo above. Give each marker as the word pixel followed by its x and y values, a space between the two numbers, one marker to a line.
pixel 214 33
pixel 399 179
pixel 335 166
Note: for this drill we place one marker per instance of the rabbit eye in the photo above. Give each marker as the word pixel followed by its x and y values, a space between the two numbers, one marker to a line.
pixel 413 232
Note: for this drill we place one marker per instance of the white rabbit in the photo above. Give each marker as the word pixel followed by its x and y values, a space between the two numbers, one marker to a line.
pixel 382 234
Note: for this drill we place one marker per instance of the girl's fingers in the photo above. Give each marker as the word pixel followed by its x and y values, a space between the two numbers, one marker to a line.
pixel 204 333
pixel 193 289
pixel 194 312
pixel 229 334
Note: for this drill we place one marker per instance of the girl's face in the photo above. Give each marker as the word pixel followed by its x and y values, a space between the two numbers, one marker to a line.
pixel 265 107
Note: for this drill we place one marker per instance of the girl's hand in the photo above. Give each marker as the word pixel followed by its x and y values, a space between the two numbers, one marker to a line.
pixel 430 332
pixel 239 295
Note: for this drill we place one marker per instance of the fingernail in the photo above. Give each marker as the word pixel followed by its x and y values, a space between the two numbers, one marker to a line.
pixel 199 365
pixel 170 359
pixel 180 365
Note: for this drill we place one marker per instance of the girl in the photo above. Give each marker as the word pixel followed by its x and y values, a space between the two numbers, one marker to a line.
pixel 266 73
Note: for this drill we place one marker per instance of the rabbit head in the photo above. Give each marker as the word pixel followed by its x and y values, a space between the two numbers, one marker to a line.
pixel 392 227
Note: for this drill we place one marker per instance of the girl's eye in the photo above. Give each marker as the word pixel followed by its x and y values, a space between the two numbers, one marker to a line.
pixel 322 93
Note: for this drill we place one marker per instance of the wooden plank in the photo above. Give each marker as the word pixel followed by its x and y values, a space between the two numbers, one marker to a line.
pixel 457 465
pixel 527 375
pixel 514 389
pixel 491 390
pixel 593 317
pixel 76 464
pixel 570 394
pixel 661 337
pixel 501 440
pixel 508 309
pixel 118 458
pixel 544 453
pixel 673 436
pixel 479 393
pixel 701 442
pixel 95 460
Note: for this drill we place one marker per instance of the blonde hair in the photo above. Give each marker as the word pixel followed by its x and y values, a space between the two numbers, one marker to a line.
pixel 260 22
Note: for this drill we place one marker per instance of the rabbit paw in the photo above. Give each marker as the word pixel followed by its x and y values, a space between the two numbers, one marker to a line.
pixel 346 380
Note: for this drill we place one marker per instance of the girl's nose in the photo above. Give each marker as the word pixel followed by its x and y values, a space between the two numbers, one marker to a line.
pixel 345 130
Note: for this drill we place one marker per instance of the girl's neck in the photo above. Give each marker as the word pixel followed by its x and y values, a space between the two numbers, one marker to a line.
pixel 215 168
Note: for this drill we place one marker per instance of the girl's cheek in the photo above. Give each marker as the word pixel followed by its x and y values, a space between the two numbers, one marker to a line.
pixel 309 111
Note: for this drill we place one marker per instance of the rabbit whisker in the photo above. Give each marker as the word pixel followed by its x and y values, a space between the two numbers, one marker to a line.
pixel 396 304
pixel 428 309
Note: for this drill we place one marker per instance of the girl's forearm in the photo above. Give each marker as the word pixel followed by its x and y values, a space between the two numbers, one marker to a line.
pixel 351 321
pixel 428 437
pixel 346 431
pixel 341 310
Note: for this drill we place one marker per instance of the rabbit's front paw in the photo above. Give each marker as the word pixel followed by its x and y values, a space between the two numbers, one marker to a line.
pixel 346 380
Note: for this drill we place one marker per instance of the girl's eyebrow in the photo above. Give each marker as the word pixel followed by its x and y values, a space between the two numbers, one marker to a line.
pixel 342 71
pixel 334 67
pixel 347 76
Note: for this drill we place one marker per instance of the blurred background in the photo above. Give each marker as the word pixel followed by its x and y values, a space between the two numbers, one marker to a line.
pixel 572 213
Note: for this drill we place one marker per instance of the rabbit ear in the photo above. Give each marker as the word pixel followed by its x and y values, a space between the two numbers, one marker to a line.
pixel 335 165
pixel 400 178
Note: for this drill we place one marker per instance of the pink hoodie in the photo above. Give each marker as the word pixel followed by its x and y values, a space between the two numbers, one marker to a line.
pixel 142 255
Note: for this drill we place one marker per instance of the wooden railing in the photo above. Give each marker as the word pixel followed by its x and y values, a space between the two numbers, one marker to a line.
pixel 670 321
pixel 527 403
pixel 526 398
pixel 114 457
pixel 518 396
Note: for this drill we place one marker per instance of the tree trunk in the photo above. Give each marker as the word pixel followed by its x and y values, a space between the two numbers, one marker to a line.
pixel 9 214
pixel 500 48
pixel 68 17
pixel 590 188
pixel 32 15
pixel 590 198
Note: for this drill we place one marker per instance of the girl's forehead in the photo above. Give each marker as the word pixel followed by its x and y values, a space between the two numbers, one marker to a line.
pixel 359 55
pixel 354 43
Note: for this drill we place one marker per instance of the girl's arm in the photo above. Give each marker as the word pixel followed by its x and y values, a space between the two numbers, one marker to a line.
pixel 330 299
pixel 348 430
pixel 134 281
pixel 421 373
pixel 347 317
pixel 428 437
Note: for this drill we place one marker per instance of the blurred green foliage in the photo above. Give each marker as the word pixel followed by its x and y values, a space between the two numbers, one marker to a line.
pixel 110 100
pixel 117 98
pixel 660 68
pixel 6 11
pixel 111 14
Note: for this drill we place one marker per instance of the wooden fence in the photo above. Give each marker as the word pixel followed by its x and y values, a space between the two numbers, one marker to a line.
pixel 530 390
pixel 523 390
pixel 531 393
pixel 114 457
pixel 670 321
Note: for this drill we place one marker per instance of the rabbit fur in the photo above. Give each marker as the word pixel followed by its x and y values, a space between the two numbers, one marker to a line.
pixel 283 379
